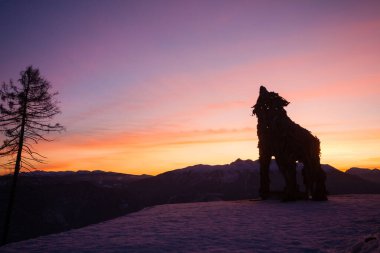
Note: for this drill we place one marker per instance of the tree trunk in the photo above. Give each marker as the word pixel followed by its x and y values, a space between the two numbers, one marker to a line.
pixel 12 195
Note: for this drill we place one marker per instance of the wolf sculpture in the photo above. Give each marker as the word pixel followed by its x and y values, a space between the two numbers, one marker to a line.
pixel 288 142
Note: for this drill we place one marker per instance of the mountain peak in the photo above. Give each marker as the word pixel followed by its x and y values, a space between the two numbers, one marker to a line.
pixel 240 162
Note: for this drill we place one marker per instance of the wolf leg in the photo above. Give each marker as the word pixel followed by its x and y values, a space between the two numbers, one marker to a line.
pixel 265 160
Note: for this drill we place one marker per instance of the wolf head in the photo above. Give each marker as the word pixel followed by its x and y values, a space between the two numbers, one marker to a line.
pixel 268 102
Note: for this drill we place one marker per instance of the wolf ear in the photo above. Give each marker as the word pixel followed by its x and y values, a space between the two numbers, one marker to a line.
pixel 263 90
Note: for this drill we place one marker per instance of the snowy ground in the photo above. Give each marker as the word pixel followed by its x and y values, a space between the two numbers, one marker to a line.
pixel 237 226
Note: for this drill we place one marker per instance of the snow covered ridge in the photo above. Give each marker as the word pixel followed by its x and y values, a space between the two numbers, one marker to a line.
pixel 240 165
pixel 346 223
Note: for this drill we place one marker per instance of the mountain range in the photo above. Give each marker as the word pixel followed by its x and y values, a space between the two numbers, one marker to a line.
pixel 367 174
pixel 50 202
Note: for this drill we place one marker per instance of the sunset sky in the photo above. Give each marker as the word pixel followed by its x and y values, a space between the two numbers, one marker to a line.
pixel 150 86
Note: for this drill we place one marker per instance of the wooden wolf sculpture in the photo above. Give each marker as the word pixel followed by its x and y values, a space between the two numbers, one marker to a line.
pixel 288 142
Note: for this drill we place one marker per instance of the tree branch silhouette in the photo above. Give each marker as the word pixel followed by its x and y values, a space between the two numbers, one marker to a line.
pixel 26 109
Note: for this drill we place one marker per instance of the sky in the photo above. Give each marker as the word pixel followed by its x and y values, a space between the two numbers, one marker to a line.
pixel 150 86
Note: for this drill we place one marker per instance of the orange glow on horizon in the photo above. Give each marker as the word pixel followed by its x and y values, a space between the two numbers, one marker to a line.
pixel 154 153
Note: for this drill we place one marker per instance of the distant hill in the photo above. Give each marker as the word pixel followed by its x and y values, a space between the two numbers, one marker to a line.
pixel 96 177
pixel 372 175
pixel 50 202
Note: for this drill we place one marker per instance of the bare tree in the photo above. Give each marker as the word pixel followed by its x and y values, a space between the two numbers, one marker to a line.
pixel 26 109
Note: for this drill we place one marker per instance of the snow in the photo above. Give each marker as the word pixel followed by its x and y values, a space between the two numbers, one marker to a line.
pixel 346 223
pixel 368 245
